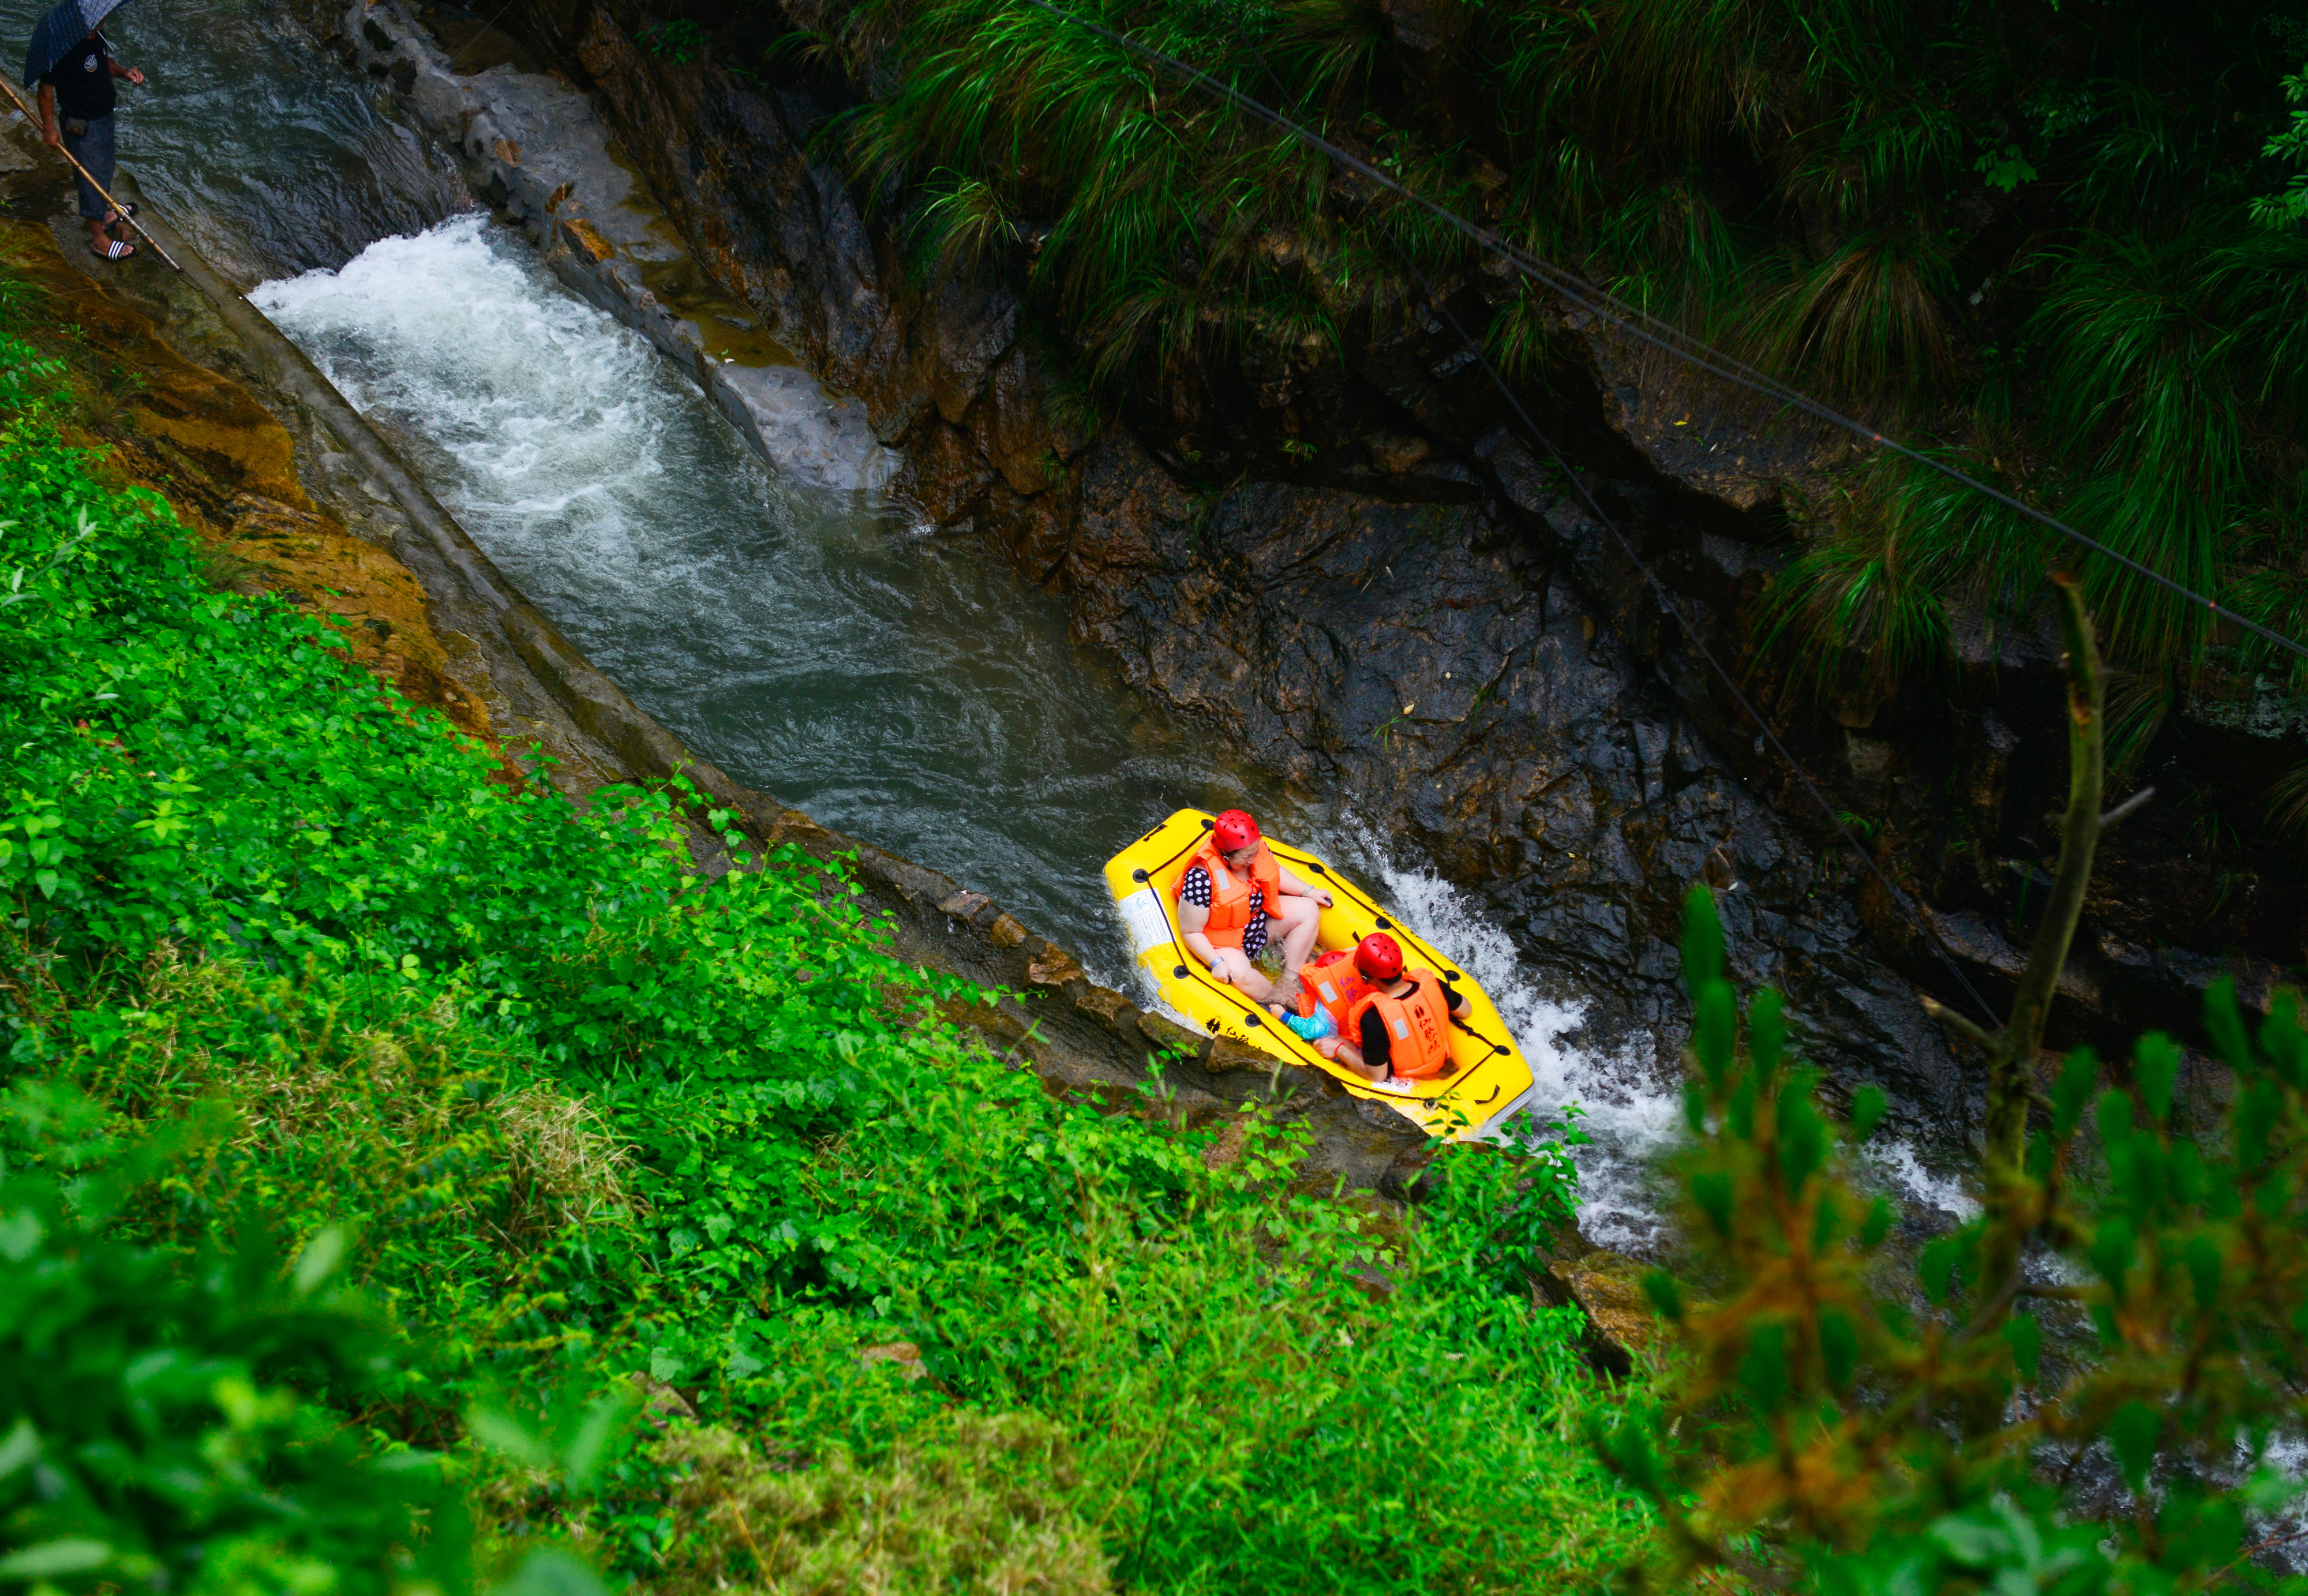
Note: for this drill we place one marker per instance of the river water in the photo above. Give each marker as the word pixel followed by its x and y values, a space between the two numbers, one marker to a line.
pixel 901 686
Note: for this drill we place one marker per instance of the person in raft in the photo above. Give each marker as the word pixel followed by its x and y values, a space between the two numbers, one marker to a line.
pixel 1328 990
pixel 80 89
pixel 1233 896
pixel 1398 1031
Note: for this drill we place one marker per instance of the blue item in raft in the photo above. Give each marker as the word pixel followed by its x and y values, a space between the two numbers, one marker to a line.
pixel 1311 1027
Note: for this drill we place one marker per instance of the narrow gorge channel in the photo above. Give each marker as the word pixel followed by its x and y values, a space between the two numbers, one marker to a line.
pixel 906 687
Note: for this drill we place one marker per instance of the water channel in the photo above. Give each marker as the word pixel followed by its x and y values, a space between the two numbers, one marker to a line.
pixel 904 687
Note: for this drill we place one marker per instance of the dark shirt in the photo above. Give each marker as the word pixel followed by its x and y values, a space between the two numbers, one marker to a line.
pixel 84 82
pixel 1377 1045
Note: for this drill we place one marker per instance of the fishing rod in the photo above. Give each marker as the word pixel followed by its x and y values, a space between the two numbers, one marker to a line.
pixel 119 210
pixel 1671 340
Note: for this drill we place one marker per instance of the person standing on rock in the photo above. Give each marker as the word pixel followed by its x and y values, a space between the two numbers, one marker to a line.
pixel 1233 895
pixel 77 91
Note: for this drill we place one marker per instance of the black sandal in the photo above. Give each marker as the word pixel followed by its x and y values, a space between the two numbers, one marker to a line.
pixel 118 250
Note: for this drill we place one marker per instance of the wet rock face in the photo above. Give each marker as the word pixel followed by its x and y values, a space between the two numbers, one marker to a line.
pixel 776 229
pixel 1427 659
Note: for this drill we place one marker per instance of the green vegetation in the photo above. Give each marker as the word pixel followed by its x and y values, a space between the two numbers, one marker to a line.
pixel 2081 1390
pixel 2060 243
pixel 1942 1423
pixel 369 1118
pixel 410 1182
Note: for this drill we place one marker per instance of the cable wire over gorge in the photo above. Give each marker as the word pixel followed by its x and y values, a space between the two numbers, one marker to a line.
pixel 1666 336
pixel 1647 328
pixel 1667 602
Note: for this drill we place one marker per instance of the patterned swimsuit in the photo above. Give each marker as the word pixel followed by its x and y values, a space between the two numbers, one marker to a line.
pixel 1195 888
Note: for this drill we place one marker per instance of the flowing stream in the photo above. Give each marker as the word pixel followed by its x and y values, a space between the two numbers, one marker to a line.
pixel 907 689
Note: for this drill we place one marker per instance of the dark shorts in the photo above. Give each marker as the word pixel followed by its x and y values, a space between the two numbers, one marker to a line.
pixel 92 149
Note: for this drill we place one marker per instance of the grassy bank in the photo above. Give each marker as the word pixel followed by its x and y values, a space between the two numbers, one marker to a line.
pixel 366 1111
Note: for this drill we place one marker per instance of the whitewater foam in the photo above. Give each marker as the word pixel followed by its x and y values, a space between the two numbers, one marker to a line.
pixel 543 405
pixel 1902 1167
pixel 1630 1114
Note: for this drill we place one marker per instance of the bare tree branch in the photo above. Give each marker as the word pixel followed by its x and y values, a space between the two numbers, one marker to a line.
pixel 1956 1022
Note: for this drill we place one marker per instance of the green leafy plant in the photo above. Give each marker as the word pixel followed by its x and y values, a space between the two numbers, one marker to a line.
pixel 679 40
pixel 160 1437
pixel 1860 1419
pixel 2290 206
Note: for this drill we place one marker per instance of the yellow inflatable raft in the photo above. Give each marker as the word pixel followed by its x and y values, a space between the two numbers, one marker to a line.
pixel 1492 1079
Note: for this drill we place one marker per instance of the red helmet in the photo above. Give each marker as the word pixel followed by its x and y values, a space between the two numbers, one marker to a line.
pixel 1379 957
pixel 1235 829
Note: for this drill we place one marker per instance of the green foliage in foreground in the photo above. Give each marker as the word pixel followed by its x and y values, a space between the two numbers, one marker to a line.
pixel 281 955
pixel 154 1441
pixel 2098 1419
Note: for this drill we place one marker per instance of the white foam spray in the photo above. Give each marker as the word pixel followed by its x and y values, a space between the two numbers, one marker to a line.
pixel 555 420
pixel 1902 1168
pixel 1630 1111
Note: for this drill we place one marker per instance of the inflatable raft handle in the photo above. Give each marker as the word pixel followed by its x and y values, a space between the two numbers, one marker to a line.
pixel 1383 924
pixel 1138 875
pixel 1179 974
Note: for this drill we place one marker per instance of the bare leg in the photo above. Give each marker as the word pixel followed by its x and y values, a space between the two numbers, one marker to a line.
pixel 1245 974
pixel 1352 1057
pixel 1296 921
pixel 1301 919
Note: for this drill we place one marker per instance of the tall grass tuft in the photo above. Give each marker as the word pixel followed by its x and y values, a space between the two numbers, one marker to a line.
pixel 1870 320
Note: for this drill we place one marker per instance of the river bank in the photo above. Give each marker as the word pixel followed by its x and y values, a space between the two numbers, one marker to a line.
pixel 410 1101
pixel 558 445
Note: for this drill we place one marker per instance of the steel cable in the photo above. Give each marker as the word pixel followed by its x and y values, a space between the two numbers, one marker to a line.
pixel 1673 340
pixel 1668 602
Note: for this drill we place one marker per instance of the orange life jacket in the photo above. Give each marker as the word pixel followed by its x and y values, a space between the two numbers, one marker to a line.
pixel 1230 891
pixel 1333 982
pixel 1417 1027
